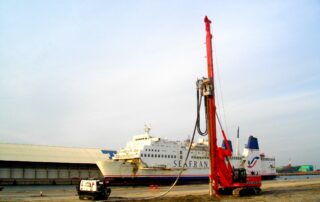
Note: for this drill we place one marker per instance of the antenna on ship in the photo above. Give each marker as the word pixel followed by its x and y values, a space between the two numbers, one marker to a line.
pixel 147 129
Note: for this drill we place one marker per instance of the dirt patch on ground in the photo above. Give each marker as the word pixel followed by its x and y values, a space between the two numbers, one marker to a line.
pixel 291 193
pixel 274 191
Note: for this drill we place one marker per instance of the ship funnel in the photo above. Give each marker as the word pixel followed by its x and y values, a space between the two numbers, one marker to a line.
pixel 252 143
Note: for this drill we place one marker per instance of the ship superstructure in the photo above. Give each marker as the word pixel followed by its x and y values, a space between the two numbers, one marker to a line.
pixel 155 152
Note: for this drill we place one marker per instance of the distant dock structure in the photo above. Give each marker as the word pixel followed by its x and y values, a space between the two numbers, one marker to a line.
pixel 22 164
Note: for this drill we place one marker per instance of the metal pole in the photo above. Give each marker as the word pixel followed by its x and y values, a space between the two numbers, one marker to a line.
pixel 211 112
pixel 237 142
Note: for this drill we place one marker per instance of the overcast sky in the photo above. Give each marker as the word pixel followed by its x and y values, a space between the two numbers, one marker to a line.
pixel 92 73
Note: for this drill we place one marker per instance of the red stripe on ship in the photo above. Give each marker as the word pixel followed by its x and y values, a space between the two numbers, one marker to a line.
pixel 253 164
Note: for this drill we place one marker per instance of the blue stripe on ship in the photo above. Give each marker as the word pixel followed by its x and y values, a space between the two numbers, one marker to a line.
pixel 157 180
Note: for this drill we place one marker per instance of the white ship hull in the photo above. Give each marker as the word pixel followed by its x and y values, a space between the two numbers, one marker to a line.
pixel 120 172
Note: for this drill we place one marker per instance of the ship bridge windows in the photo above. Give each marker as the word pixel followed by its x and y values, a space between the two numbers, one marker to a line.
pixel 144 138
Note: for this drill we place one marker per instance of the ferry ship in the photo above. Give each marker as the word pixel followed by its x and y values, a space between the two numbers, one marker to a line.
pixel 148 159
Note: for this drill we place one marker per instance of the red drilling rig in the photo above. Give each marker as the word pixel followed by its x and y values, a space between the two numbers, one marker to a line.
pixel 223 177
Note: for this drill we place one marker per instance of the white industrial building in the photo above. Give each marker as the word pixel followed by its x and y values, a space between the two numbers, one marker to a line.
pixel 38 164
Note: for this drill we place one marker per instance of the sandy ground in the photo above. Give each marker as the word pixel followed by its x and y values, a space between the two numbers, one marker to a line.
pixel 286 190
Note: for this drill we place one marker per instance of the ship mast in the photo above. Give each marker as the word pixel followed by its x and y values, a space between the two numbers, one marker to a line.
pixel 237 141
pixel 212 132
pixel 147 129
